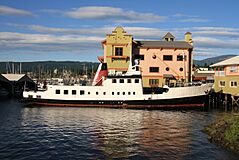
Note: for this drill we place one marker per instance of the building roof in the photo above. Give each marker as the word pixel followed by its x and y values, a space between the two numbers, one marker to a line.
pixel 165 44
pixel 168 35
pixel 228 62
pixel 13 77
pixel 3 79
pixel 188 33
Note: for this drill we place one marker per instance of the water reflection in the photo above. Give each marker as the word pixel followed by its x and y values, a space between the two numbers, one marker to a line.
pixel 96 133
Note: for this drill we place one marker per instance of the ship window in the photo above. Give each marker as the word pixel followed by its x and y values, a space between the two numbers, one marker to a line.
pixel 113 80
pixel 104 93
pixel 30 96
pixel 58 91
pixel 233 83
pixel 65 91
pixel 82 92
pixel 128 93
pixel 222 83
pixel 167 69
pixel 118 51
pixel 88 93
pixel 167 57
pixel 118 93
pixel 113 93
pixel 154 69
pixel 181 69
pixel 133 93
pixel 123 93
pixel 38 96
pixel 96 93
pixel 128 80
pixel 136 81
pixel 73 92
pixel 121 80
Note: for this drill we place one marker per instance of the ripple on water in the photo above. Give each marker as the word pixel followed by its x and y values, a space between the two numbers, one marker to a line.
pixel 96 133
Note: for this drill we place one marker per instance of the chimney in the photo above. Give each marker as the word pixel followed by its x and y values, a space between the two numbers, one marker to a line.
pixel 188 38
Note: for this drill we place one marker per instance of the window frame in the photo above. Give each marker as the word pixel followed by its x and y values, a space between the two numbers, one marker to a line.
pixel 129 81
pixel 154 69
pixel 114 80
pixel 233 82
pixel 82 92
pixel 220 85
pixel 66 92
pixel 119 51
pixel 153 82
pixel 166 59
pixel 233 69
pixel 57 91
pixel 73 92
pixel 180 58
pixel 121 81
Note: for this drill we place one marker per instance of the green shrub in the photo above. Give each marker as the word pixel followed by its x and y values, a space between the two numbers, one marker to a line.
pixel 232 134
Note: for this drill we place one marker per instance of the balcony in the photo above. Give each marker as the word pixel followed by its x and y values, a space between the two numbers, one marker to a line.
pixel 220 73
pixel 126 58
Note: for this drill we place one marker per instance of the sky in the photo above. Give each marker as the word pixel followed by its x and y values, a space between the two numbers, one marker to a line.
pixel 38 30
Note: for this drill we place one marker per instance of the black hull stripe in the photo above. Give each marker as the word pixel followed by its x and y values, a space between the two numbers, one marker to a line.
pixel 188 102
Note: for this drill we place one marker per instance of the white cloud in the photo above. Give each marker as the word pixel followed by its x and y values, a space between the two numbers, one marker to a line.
pixel 113 13
pixel 180 17
pixel 5 10
pixel 208 41
pixel 137 32
pixel 216 43
pixel 45 42
pixel 216 31
pixel 195 20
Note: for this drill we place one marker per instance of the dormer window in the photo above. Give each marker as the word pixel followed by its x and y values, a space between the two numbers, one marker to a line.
pixel 169 37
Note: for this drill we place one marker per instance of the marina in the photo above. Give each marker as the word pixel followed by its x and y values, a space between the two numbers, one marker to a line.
pixel 121 80
pixel 87 80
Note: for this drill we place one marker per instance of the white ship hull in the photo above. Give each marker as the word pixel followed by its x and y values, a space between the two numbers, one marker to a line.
pixel 118 95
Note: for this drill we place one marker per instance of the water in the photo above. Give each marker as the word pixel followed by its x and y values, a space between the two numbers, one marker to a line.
pixel 97 133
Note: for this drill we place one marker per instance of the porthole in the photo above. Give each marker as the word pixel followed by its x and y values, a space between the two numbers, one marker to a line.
pixel 181 69
pixel 167 69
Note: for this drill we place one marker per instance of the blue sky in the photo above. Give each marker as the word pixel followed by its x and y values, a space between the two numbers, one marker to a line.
pixel 35 30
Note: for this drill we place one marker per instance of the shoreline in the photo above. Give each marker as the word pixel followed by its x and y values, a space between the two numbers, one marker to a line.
pixel 224 131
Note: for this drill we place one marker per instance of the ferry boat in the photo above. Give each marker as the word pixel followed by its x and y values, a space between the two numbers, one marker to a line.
pixel 117 90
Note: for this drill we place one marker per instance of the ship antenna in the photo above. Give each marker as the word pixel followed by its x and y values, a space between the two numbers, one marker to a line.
pixel 130 61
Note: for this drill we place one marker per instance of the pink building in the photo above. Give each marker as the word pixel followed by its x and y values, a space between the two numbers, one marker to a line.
pixel 166 62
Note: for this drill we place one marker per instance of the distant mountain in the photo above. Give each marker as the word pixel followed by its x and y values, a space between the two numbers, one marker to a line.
pixel 77 67
pixel 209 61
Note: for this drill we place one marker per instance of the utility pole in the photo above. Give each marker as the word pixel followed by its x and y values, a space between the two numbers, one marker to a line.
pixel 20 70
